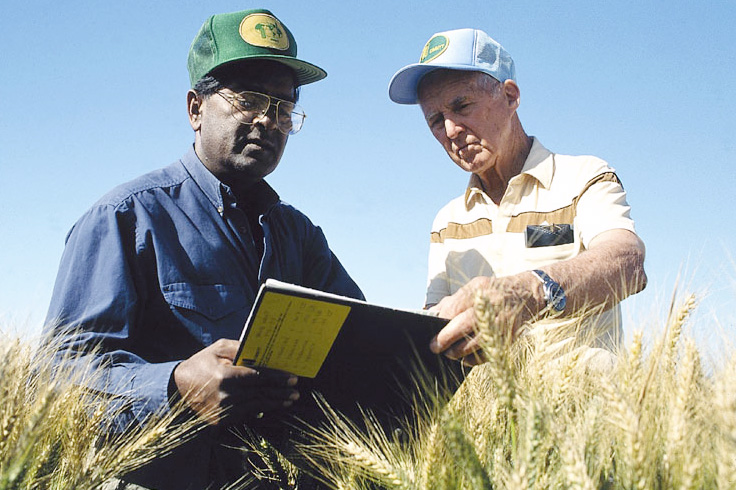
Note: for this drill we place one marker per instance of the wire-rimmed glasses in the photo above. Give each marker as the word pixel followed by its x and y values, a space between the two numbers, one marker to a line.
pixel 248 106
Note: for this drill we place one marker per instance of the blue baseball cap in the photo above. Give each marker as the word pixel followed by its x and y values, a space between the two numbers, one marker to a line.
pixel 459 49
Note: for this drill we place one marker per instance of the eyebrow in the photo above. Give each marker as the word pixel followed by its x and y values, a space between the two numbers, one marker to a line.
pixel 429 118
pixel 263 88
pixel 453 105
pixel 460 99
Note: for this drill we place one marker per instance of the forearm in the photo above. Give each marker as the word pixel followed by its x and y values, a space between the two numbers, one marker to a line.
pixel 130 389
pixel 602 276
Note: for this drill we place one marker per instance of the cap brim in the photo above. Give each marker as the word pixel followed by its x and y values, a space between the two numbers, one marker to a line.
pixel 403 86
pixel 305 72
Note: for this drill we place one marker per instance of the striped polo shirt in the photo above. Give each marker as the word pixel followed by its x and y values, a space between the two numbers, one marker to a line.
pixel 549 212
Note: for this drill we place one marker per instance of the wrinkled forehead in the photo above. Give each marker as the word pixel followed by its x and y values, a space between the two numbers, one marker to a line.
pixel 443 80
pixel 265 76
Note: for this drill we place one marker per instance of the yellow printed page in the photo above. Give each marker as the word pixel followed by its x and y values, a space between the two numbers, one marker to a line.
pixel 292 334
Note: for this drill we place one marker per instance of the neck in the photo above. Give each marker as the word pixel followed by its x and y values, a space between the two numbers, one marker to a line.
pixel 496 180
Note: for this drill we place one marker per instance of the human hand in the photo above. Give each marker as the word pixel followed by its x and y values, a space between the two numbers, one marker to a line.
pixel 209 383
pixel 513 300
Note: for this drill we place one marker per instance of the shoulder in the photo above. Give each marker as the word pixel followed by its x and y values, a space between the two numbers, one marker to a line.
pixel 289 211
pixel 581 169
pixel 121 204
pixel 287 220
pixel 453 211
pixel 162 179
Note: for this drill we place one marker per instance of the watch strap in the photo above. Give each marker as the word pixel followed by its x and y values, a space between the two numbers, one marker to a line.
pixel 554 295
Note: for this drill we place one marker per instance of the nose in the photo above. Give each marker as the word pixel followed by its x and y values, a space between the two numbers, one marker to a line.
pixel 268 119
pixel 452 128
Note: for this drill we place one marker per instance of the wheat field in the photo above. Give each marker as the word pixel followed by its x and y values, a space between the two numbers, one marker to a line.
pixel 529 418
pixel 54 432
pixel 535 418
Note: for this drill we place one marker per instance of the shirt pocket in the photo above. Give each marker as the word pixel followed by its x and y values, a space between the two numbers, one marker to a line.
pixel 539 256
pixel 550 243
pixel 209 311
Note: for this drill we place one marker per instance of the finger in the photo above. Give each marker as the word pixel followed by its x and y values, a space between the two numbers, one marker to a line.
pixel 226 349
pixel 477 357
pixel 451 306
pixel 261 401
pixel 463 348
pixel 458 328
pixel 464 298
pixel 253 377
pixel 443 308
pixel 265 395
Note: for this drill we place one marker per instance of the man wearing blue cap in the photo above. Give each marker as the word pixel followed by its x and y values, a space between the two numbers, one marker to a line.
pixel 162 272
pixel 543 236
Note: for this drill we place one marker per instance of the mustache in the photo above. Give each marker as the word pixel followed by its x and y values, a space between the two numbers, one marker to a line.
pixel 258 140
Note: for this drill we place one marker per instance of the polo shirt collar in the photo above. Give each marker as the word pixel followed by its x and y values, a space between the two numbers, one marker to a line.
pixel 475 192
pixel 539 164
pixel 219 194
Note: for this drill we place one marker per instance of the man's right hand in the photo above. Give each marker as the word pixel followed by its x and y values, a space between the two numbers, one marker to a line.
pixel 209 382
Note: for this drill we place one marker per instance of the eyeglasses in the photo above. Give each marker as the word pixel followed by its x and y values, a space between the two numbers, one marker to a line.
pixel 248 106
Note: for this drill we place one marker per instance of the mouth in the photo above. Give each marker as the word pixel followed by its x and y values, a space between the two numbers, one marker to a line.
pixel 257 145
pixel 464 149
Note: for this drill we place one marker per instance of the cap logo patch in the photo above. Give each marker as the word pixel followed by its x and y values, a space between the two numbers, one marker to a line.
pixel 265 31
pixel 434 47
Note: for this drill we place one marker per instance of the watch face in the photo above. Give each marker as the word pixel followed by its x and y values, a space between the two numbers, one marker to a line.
pixel 557 297
pixel 553 292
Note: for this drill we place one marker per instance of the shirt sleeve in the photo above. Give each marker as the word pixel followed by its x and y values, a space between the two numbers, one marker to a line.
pixel 93 315
pixel 602 206
pixel 438 285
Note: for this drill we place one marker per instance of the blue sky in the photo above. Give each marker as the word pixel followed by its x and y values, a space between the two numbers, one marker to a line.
pixel 94 94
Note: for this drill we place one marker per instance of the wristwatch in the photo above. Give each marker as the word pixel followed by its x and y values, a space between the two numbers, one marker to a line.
pixel 554 295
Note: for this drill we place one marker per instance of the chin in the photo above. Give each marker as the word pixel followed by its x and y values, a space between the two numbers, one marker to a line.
pixel 467 166
pixel 251 169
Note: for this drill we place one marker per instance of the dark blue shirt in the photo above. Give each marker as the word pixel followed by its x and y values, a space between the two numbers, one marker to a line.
pixel 165 265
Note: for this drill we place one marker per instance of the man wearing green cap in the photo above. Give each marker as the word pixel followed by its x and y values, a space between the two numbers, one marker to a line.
pixel 162 272
pixel 545 238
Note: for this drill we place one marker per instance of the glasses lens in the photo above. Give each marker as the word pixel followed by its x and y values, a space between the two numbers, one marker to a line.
pixel 249 106
pixel 283 110
pixel 291 117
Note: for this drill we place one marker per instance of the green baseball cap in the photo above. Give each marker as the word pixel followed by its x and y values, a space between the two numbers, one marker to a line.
pixel 247 35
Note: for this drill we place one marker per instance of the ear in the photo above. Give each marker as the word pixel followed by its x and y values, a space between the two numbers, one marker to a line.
pixel 512 93
pixel 194 109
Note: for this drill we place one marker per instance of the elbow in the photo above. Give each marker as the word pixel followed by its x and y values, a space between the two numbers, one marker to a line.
pixel 638 277
pixel 640 280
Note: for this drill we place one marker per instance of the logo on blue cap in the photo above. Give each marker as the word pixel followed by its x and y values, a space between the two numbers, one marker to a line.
pixel 434 47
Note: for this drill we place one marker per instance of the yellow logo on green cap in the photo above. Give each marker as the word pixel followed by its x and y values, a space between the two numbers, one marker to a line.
pixel 264 30
pixel 434 47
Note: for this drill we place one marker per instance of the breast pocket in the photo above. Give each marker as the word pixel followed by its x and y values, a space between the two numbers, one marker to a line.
pixel 548 235
pixel 209 311
pixel 550 243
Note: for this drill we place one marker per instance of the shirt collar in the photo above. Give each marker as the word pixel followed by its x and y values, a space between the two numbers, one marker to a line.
pixel 474 192
pixel 219 194
pixel 539 164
